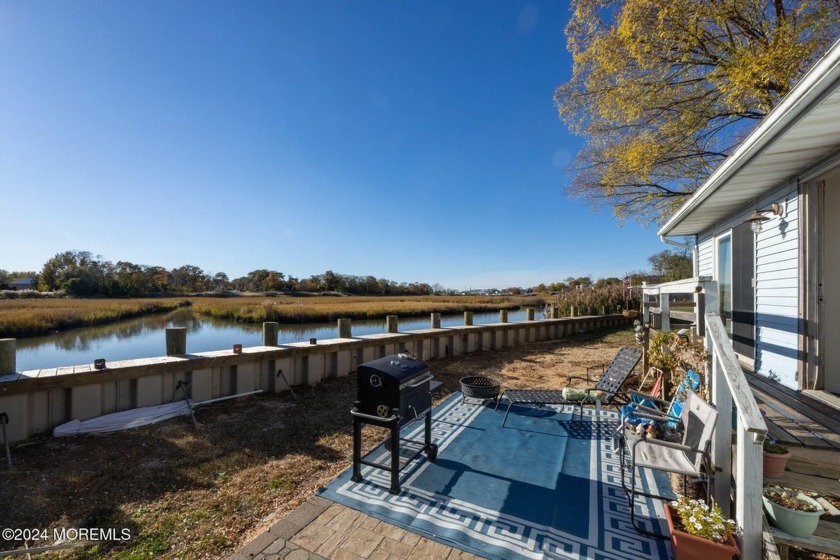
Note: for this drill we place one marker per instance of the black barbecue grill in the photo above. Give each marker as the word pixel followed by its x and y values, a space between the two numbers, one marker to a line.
pixel 391 392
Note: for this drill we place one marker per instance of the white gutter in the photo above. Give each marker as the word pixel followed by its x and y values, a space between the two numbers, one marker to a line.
pixel 814 83
pixel 685 246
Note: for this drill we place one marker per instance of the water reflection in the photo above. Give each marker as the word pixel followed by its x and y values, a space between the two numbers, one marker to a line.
pixel 145 337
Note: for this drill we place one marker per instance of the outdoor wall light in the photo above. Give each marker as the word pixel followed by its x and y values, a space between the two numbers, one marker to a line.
pixel 757 218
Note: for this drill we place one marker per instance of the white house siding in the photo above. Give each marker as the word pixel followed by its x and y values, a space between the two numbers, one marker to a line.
pixel 777 284
pixel 706 256
pixel 777 296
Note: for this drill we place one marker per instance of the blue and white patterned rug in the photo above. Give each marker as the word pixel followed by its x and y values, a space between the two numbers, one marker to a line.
pixel 545 486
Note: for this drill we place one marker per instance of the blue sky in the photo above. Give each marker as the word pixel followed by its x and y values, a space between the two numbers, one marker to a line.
pixel 412 141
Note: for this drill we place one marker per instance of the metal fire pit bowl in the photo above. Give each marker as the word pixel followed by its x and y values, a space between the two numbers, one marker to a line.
pixel 480 387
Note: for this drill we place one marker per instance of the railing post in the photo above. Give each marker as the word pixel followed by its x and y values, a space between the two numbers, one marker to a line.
pixel 665 310
pixel 503 316
pixel 435 320
pixel 468 318
pixel 749 488
pixel 391 322
pixel 529 314
pixel 722 444
pixel 8 356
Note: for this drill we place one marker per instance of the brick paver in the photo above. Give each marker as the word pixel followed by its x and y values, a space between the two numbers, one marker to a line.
pixel 320 529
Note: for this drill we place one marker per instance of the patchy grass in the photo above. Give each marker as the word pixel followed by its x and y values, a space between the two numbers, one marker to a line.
pixel 202 494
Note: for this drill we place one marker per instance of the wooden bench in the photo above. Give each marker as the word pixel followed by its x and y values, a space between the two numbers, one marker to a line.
pixel 816 543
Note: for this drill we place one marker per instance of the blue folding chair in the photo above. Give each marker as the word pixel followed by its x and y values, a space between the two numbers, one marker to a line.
pixel 649 410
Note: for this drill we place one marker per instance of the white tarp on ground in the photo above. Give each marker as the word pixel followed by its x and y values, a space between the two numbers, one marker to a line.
pixel 124 420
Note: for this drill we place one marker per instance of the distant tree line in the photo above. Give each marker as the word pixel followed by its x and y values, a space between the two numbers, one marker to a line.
pixel 82 273
pixel 666 266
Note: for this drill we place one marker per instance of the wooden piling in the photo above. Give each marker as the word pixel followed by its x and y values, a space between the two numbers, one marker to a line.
pixel 392 323
pixel 529 314
pixel 468 318
pixel 345 329
pixel 435 320
pixel 270 331
pixel 176 341
pixel 8 356
pixel 503 316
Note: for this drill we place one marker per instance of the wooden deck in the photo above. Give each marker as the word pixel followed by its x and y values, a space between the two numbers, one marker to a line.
pixel 796 418
pixel 809 425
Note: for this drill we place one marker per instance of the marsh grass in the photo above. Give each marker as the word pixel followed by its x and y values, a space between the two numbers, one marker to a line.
pixel 323 309
pixel 20 318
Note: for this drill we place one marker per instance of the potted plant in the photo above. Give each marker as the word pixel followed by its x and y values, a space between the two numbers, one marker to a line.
pixel 659 352
pixel 792 511
pixel 699 532
pixel 776 456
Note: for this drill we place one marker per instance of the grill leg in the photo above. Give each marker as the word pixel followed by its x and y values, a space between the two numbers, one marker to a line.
pixel 357 450
pixel 395 458
pixel 4 419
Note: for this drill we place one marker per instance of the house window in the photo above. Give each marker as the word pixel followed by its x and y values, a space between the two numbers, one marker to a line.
pixel 724 278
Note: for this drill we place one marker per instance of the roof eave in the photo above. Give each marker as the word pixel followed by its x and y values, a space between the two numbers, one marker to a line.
pixel 808 91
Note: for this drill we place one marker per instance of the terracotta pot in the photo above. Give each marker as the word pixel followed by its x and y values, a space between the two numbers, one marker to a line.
pixel 691 547
pixel 774 464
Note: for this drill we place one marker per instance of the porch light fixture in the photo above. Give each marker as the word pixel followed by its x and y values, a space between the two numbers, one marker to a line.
pixel 757 218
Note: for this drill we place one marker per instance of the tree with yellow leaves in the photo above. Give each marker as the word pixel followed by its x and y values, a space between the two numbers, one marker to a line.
pixel 663 90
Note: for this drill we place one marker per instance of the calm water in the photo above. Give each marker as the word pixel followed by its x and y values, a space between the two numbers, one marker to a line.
pixel 145 337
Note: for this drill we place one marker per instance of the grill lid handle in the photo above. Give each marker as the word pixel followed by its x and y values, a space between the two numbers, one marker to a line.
pixel 420 380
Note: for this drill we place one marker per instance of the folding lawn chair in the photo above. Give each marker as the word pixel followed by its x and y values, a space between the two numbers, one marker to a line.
pixel 690 457
pixel 605 391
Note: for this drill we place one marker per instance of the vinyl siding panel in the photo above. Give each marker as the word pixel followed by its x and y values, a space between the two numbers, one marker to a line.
pixel 705 257
pixel 777 295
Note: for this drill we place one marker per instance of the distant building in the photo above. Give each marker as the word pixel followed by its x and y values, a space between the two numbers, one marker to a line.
pixel 22 284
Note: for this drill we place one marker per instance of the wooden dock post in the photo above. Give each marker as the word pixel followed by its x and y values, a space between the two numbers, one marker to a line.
pixel 503 316
pixel 8 357
pixel 468 318
pixel 435 320
pixel 176 341
pixel 269 333
pixel 529 314
pixel 392 323
pixel 345 329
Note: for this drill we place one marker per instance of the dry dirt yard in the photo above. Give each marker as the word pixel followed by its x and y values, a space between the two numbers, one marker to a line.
pixel 184 493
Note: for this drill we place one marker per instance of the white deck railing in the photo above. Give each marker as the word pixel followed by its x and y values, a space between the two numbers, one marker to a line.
pixel 701 285
pixel 727 388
